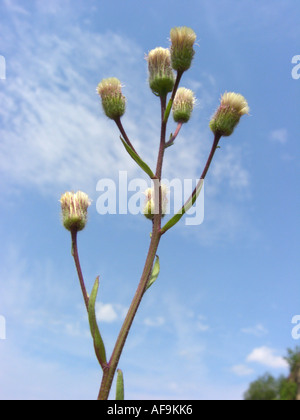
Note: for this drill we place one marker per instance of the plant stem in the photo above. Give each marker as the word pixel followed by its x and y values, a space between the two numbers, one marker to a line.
pixel 173 137
pixel 124 134
pixel 78 267
pixel 109 371
pixel 211 155
pixel 169 107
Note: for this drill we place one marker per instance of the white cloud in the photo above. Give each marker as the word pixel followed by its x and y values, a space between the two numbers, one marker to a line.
pixel 258 330
pixel 241 370
pixel 279 136
pixel 265 356
pixel 110 312
pixel 106 313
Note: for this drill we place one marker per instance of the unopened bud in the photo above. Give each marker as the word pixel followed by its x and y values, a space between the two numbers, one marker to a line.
pixel 183 105
pixel 74 210
pixel 113 102
pixel 182 51
pixel 161 77
pixel 232 107
pixel 151 207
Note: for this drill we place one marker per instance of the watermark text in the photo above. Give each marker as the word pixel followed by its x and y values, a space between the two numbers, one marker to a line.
pixel 2 68
pixel 296 68
pixel 127 197
pixel 2 328
pixel 296 329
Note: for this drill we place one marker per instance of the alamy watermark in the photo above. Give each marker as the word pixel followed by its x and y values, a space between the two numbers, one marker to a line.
pixel 2 328
pixel 128 197
pixel 296 329
pixel 2 68
pixel 296 68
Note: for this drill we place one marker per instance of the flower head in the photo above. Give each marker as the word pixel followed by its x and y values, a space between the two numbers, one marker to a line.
pixel 74 210
pixel 151 205
pixel 182 51
pixel 183 105
pixel 161 77
pixel 113 101
pixel 232 107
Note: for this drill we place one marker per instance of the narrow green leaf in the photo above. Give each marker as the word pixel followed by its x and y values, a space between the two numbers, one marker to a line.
pixel 168 110
pixel 120 386
pixel 172 222
pixel 98 342
pixel 175 219
pixel 154 274
pixel 137 159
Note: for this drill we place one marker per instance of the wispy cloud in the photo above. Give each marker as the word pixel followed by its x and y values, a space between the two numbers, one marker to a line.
pixel 201 324
pixel 155 321
pixel 53 130
pixel 242 370
pixel 187 327
pixel 258 330
pixel 15 7
pixel 228 168
pixel 53 6
pixel 279 136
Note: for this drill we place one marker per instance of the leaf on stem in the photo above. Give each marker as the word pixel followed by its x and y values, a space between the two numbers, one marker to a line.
pixel 120 386
pixel 154 274
pixel 188 204
pixel 137 159
pixel 168 110
pixel 98 342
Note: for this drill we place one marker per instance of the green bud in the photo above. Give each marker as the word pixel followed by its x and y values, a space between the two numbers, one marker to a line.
pixel 113 102
pixel 161 77
pixel 183 105
pixel 74 210
pixel 232 107
pixel 182 51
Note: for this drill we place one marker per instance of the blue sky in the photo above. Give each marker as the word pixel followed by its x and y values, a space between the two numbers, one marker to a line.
pixel 220 313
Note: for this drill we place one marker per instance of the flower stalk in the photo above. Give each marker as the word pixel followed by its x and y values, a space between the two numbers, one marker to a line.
pixel 78 268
